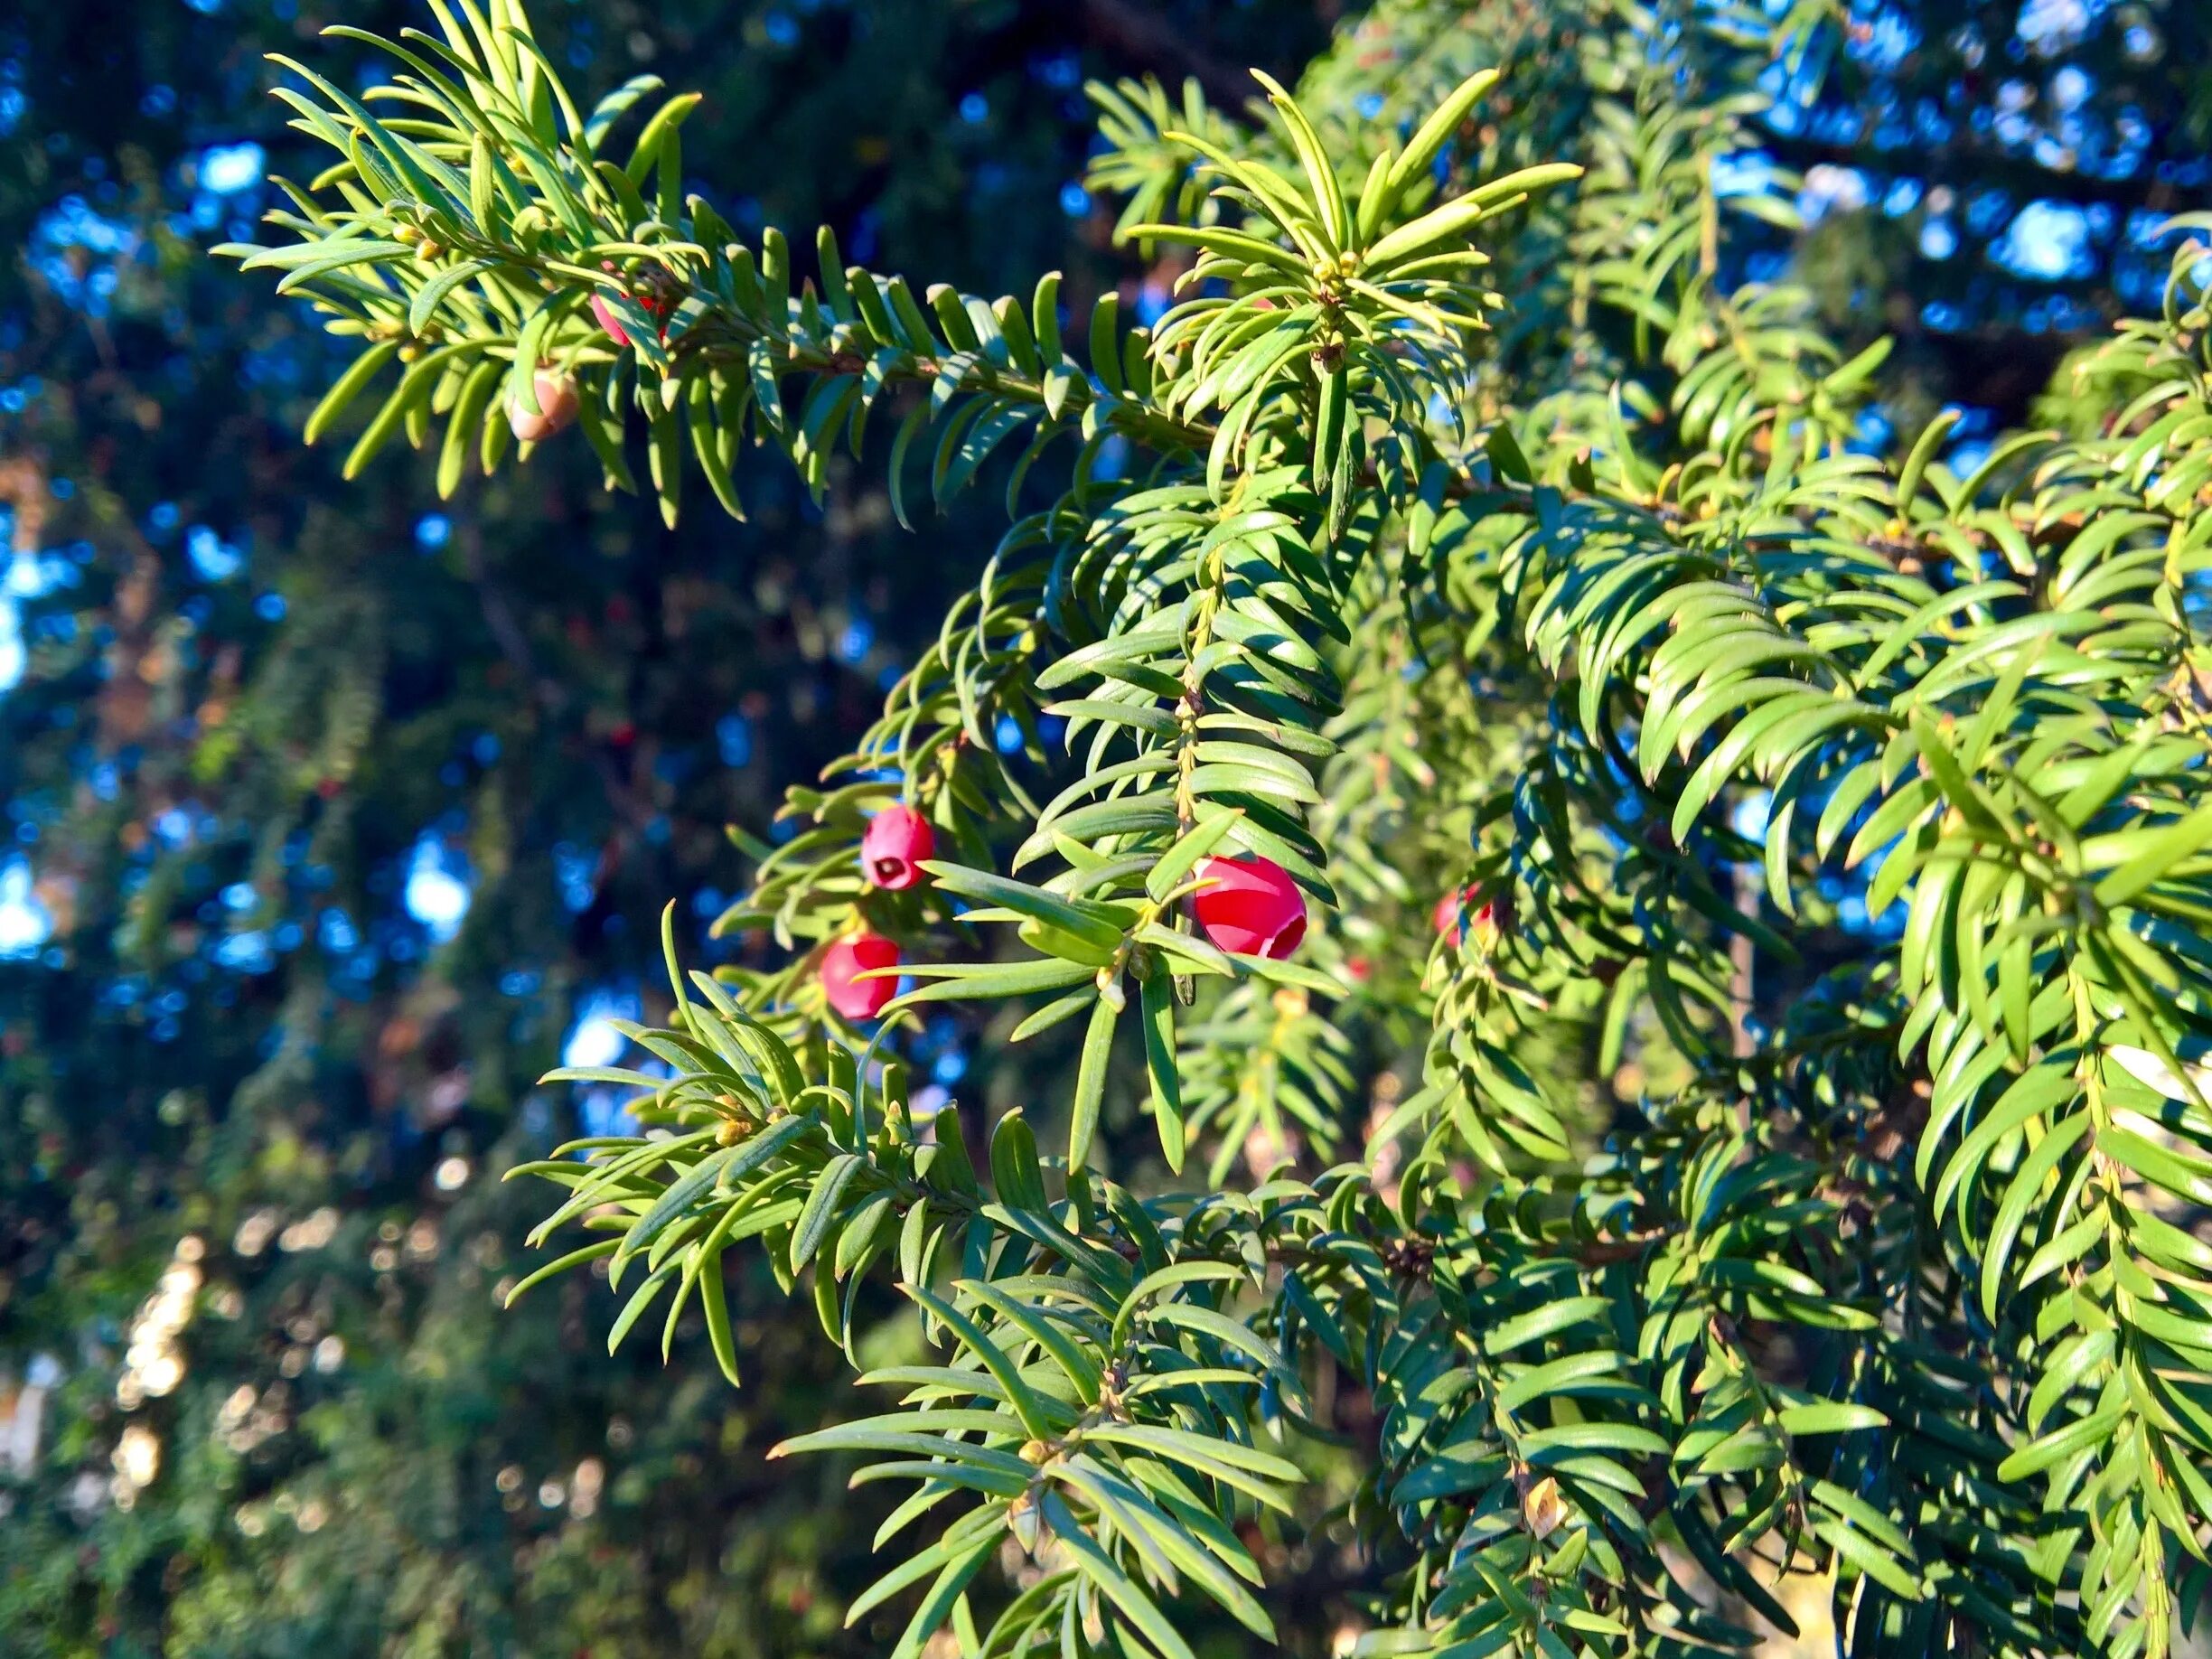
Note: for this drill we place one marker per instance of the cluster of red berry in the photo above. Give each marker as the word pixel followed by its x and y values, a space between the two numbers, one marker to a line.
pixel 892 851
pixel 1247 905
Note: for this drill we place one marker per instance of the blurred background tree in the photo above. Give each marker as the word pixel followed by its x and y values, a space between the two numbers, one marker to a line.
pixel 289 771
pixel 1986 181
pixel 338 816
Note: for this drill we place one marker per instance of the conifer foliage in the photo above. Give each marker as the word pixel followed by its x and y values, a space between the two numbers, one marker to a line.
pixel 1696 934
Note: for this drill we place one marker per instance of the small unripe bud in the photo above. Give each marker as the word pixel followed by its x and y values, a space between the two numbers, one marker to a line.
pixel 1544 1511
pixel 1025 1524
pixel 557 406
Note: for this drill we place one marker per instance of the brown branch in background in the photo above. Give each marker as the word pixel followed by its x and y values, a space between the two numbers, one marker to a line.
pixel 1740 965
pixel 1603 1253
pixel 23 489
pixel 125 701
pixel 1983 166
pixel 1145 41
pixel 2000 369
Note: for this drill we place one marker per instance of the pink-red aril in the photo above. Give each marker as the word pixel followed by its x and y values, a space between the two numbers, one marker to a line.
pixel 843 964
pixel 1469 912
pixel 1451 910
pixel 1249 905
pixel 609 321
pixel 898 839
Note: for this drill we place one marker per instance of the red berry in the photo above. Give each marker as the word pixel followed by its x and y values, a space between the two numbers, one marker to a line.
pixel 1249 905
pixel 845 960
pixel 1451 910
pixel 898 840
pixel 1467 911
pixel 1496 914
pixel 609 321
pixel 557 406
